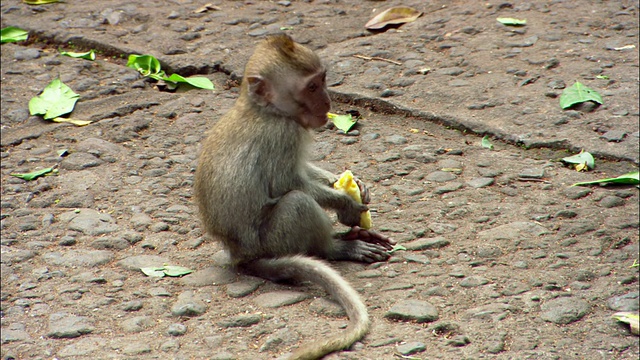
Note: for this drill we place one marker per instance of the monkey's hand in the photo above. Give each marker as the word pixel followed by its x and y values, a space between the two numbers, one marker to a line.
pixel 365 195
pixel 352 213
pixel 368 236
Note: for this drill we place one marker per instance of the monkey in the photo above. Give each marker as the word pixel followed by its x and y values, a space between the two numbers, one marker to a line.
pixel 258 193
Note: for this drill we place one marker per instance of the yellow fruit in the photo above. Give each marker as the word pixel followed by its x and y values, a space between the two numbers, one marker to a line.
pixel 347 184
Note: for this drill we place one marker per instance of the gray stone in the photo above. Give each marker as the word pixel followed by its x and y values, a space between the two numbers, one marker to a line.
pixel 412 310
pixel 395 140
pixel 494 312
pixel 80 161
pixel 212 275
pixel 447 188
pixel 177 329
pixel 188 305
pixel 82 347
pixel 63 325
pixel 243 320
pixel 424 244
pixel 480 182
pixel 78 258
pixel 564 310
pixel 137 324
pixel 611 201
pixel 327 307
pixel 244 287
pixel 89 222
pixel 440 176
pixel 532 173
pixel 411 348
pixel 279 298
pixel 614 135
pixel 473 281
pixel 626 302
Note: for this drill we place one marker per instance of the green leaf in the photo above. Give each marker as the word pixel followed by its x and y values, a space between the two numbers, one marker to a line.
pixel 147 65
pixel 393 16
pixel 34 174
pixel 40 2
pixel 342 122
pixel 13 34
pixel 631 318
pixel 89 55
pixel 512 21
pixel 172 270
pixel 578 93
pixel 153 271
pixel 56 99
pixel 486 143
pixel 195 81
pixel 602 77
pixel 631 178
pixel 582 158
pixel 397 247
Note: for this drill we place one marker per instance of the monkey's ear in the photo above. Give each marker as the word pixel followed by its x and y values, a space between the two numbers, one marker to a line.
pixel 259 89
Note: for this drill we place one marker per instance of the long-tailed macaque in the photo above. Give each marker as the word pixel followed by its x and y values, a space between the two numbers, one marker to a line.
pixel 257 192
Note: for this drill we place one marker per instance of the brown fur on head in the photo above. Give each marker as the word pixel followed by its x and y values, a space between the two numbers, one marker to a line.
pixel 266 62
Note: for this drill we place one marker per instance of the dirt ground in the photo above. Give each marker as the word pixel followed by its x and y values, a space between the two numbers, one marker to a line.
pixel 504 258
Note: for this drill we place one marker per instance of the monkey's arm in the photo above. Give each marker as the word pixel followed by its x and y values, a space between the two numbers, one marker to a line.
pixel 321 175
pixel 328 178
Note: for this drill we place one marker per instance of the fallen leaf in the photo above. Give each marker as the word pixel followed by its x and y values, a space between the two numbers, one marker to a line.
pixel 584 158
pixel 56 99
pixel 632 178
pixel 34 174
pixel 486 143
pixel 393 16
pixel 72 121
pixel 342 122
pixel 631 318
pixel 512 21
pixel 578 93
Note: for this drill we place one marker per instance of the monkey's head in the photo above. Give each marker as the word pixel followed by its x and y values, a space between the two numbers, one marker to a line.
pixel 288 79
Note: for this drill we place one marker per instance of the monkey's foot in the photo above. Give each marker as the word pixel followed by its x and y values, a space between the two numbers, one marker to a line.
pixel 368 236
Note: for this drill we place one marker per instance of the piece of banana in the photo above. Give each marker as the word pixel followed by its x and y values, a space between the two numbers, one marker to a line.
pixel 347 184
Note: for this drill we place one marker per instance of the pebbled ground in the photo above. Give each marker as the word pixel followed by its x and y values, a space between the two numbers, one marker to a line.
pixel 504 259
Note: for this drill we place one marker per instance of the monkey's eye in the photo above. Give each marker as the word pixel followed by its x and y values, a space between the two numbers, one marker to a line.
pixel 312 87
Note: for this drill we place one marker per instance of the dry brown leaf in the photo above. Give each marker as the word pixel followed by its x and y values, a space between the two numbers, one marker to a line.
pixel 394 15
pixel 207 7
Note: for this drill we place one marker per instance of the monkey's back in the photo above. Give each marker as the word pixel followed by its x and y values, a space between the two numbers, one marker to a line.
pixel 245 165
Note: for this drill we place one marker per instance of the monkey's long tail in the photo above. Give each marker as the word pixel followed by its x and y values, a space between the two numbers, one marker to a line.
pixel 309 269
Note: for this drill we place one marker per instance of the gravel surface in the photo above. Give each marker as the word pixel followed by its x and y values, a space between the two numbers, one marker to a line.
pixel 504 259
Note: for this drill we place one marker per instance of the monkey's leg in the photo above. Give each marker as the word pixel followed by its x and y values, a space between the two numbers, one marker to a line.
pixel 298 225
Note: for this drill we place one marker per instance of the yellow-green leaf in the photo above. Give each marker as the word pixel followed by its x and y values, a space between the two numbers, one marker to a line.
pixel 40 2
pixel 342 122
pixel 633 319
pixel 393 16
pixel 89 55
pixel 512 21
pixel 72 121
